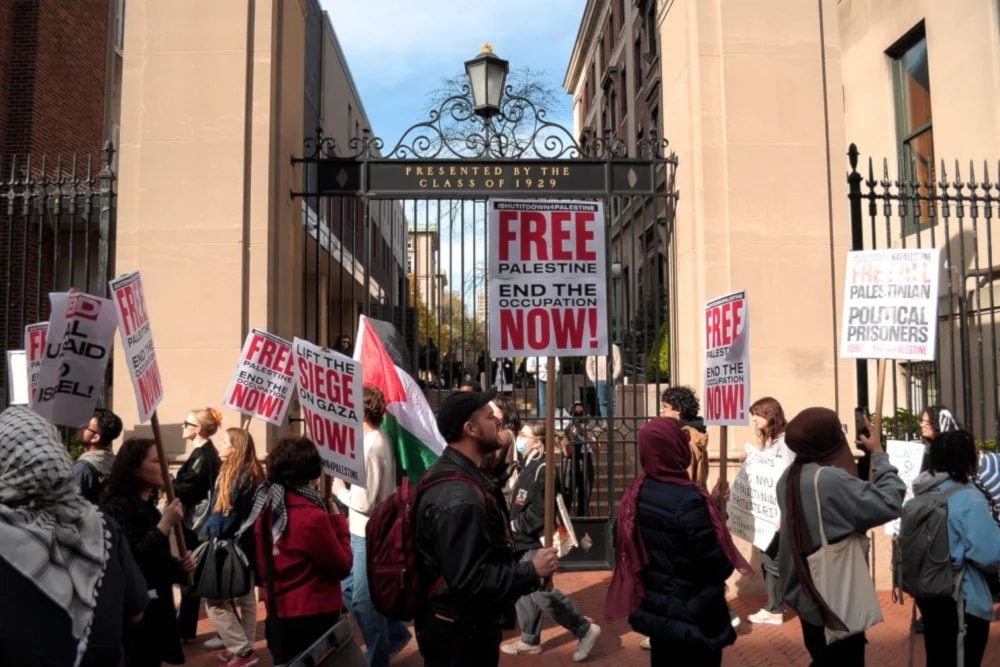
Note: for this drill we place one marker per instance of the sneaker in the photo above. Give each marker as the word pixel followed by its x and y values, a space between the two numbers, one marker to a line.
pixel 226 657
pixel 764 617
pixel 247 660
pixel 214 644
pixel 644 645
pixel 518 647
pixel 586 643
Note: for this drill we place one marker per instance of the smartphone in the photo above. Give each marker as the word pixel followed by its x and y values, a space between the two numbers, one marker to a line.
pixel 860 425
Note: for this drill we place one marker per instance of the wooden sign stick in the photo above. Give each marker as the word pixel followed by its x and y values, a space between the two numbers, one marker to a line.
pixel 550 455
pixel 723 466
pixel 168 485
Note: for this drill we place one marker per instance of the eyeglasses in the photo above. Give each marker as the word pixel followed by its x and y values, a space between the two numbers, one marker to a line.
pixel 186 424
pixel 90 430
pixel 926 422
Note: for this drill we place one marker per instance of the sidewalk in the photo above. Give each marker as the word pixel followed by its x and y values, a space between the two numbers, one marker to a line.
pixel 618 646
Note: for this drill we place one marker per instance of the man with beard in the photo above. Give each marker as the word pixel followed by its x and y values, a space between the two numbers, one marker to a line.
pixel 91 470
pixel 465 556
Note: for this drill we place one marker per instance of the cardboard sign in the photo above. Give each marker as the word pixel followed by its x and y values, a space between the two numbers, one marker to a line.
pixel 906 457
pixel 34 346
pixel 753 505
pixel 137 339
pixel 727 360
pixel 891 304
pixel 18 392
pixel 264 379
pixel 547 278
pixel 332 401
pixel 78 345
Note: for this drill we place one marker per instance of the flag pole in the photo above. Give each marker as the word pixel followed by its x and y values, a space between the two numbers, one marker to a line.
pixel 550 453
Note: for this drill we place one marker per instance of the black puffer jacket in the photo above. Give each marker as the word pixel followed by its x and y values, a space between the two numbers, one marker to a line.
pixel 463 536
pixel 685 579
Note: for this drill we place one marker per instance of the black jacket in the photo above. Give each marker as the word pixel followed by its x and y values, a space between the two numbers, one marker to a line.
pixel 463 536
pixel 527 508
pixel 685 579
pixel 196 479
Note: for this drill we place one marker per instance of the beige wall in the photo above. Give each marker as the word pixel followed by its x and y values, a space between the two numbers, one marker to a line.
pixel 204 211
pixel 763 200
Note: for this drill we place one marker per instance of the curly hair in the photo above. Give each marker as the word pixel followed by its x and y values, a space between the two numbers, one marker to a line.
pixel 955 453
pixel 123 481
pixel 770 409
pixel 109 424
pixel 933 413
pixel 683 400
pixel 374 405
pixel 294 462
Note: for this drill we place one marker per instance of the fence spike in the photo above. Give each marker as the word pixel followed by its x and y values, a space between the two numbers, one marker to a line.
pixel 852 157
pixel 871 173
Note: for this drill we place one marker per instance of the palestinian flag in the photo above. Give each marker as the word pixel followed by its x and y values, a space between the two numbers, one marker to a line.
pixel 409 421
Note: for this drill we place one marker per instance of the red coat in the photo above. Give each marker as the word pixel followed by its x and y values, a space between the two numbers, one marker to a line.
pixel 314 554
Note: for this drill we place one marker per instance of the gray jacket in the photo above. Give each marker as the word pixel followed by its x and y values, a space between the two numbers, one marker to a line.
pixel 850 505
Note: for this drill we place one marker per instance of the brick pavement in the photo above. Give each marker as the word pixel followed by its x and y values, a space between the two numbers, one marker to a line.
pixel 618 646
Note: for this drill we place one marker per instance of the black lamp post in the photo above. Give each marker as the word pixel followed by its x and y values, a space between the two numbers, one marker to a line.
pixel 487 74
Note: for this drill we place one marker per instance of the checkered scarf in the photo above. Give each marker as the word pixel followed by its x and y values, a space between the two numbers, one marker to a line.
pixel 48 532
pixel 273 494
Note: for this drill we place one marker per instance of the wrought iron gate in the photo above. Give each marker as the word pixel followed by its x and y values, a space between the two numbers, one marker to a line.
pixel 915 205
pixel 401 236
pixel 57 221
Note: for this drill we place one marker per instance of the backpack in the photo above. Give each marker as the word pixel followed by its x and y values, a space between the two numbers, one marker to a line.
pixel 391 553
pixel 925 553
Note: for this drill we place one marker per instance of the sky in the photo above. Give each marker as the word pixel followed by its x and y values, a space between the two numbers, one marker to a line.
pixel 400 50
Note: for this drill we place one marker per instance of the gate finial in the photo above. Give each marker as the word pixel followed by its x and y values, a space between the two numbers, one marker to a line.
pixel 487 47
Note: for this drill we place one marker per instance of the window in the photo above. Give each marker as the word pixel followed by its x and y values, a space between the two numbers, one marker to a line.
pixel 621 14
pixel 624 95
pixel 651 28
pixel 912 89
pixel 637 57
pixel 119 9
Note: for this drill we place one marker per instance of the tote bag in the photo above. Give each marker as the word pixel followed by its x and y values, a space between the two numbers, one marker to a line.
pixel 840 573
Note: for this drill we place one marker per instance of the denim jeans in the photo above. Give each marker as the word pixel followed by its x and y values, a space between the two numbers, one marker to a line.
pixel 382 636
pixel 602 397
pixel 542 395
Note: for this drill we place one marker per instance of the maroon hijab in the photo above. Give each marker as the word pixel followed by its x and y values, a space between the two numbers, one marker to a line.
pixel 664 454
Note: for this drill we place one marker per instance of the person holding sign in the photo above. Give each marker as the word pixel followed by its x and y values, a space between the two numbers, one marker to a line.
pixel 675 555
pixel 91 470
pixel 130 499
pixel 527 512
pixel 768 420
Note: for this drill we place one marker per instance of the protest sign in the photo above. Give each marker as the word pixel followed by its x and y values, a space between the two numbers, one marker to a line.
pixel 332 401
pixel 78 344
pixel 752 511
pixel 727 360
pixel 34 346
pixel 264 379
pixel 547 278
pixel 891 304
pixel 18 392
pixel 906 457
pixel 137 339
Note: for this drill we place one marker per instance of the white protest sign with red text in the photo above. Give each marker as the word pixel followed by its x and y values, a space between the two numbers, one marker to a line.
pixel 333 404
pixel 264 379
pixel 891 304
pixel 137 339
pixel 547 278
pixel 727 360
pixel 78 344
pixel 34 347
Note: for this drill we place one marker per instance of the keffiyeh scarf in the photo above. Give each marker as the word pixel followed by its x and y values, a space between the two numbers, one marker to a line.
pixel 272 495
pixel 48 532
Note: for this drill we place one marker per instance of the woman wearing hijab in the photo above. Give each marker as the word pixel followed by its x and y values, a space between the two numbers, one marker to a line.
pixel 675 556
pixel 69 583
pixel 850 505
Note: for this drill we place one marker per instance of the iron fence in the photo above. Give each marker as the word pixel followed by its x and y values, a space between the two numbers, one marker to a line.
pixel 914 204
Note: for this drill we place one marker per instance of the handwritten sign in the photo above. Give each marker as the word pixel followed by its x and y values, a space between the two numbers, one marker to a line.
pixel 753 506
pixel 547 285
pixel 264 379
pixel 78 344
pixel 727 360
pixel 137 339
pixel 332 401
pixel 906 457
pixel 891 304
pixel 34 347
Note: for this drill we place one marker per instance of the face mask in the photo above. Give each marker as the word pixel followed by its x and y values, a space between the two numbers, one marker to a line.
pixel 521 444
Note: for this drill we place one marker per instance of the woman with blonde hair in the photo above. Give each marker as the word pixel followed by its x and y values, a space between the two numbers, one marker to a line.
pixel 193 486
pixel 232 504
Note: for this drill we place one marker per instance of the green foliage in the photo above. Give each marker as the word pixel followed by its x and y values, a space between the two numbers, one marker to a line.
pixel 987 445
pixel 904 425
pixel 645 326
pixel 658 361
